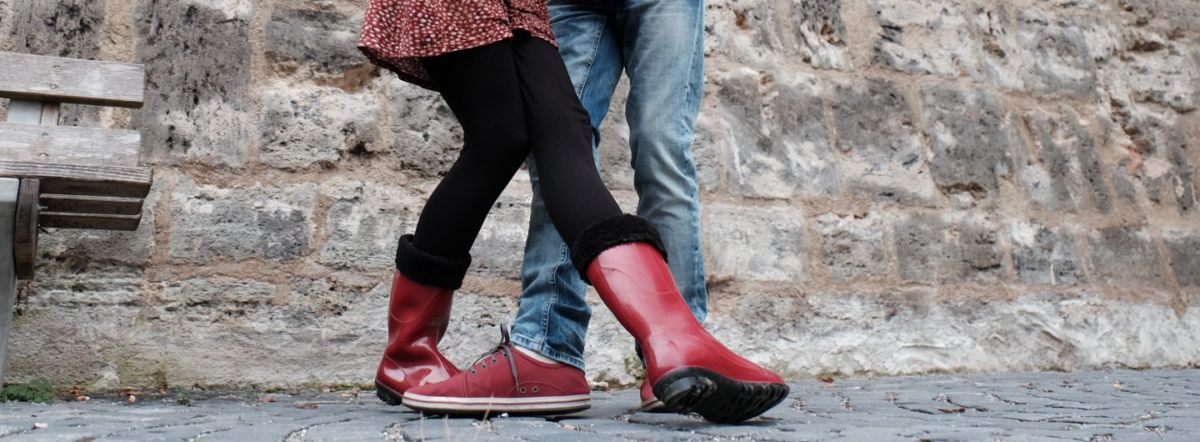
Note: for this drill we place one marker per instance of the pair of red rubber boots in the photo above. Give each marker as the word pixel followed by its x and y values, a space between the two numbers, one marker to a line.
pixel 686 367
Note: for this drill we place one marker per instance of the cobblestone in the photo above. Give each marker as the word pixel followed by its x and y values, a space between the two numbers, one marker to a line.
pixel 1086 406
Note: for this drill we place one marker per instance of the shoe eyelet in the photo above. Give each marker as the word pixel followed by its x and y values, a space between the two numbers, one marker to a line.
pixel 522 389
pixel 535 389
pixel 484 365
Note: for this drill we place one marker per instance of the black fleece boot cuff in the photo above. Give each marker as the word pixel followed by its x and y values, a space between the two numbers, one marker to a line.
pixel 428 269
pixel 610 233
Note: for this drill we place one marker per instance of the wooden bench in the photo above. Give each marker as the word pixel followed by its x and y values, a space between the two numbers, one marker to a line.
pixel 60 176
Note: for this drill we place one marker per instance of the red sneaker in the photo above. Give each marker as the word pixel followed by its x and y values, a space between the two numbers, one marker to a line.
pixel 505 381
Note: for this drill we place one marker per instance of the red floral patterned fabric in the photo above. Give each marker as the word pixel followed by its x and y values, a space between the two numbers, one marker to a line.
pixel 397 33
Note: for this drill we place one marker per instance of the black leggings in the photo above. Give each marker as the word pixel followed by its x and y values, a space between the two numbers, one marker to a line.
pixel 512 97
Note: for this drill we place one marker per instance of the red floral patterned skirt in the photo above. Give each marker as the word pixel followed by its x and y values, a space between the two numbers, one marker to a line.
pixel 397 33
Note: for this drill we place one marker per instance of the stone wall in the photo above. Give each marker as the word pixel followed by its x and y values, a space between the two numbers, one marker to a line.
pixel 890 186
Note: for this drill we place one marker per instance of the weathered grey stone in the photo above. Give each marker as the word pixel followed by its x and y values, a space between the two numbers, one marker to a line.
pixel 1064 172
pixel 880 145
pixel 1124 255
pixel 271 223
pixel 911 327
pixel 925 37
pixel 918 241
pixel 500 246
pixel 324 40
pixel 74 323
pixel 1152 69
pixel 198 94
pixel 931 248
pixel 425 135
pixel 756 243
pixel 1184 250
pixel 783 146
pixel 1029 48
pixel 973 252
pixel 1157 156
pixel 208 300
pixel 68 28
pixel 306 126
pixel 365 221
pixel 852 246
pixel 762 33
pixel 968 132
pixel 1044 255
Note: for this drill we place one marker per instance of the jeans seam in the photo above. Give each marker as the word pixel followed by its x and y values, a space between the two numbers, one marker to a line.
pixel 591 60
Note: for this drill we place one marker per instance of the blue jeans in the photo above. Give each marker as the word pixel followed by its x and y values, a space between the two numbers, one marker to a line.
pixel 659 44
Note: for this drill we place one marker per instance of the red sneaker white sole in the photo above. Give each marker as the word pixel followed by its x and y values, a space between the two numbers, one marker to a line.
pixel 495 405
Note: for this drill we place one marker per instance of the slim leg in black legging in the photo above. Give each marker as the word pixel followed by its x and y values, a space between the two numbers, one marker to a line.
pixel 510 97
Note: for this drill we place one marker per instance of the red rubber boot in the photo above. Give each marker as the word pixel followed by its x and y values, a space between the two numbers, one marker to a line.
pixel 690 370
pixel 418 315
pixel 417 319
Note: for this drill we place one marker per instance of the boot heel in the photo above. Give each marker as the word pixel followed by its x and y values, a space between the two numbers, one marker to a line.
pixel 715 397
pixel 387 395
pixel 682 389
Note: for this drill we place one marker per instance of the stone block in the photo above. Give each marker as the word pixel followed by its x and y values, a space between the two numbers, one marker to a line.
pixel 1183 248
pixel 1156 156
pixel 1154 68
pixel 763 34
pixel 852 246
pixel 880 146
pixel 365 221
pixel 933 248
pixel 322 40
pixel 1044 255
pixel 918 241
pixel 76 318
pixel 756 243
pixel 500 246
pixel 776 133
pixel 206 301
pixel 1064 171
pixel 68 28
pixel 1182 15
pixel 1124 256
pixel 1042 51
pixel 968 131
pixel 426 137
pixel 925 37
pixel 260 222
pixel 198 96
pixel 305 126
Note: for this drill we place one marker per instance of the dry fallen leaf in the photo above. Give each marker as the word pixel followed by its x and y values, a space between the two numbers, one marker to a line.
pixel 952 410
pixel 131 399
pixel 266 399
pixel 1119 386
pixel 306 405
pixel 82 398
pixel 569 427
pixel 825 378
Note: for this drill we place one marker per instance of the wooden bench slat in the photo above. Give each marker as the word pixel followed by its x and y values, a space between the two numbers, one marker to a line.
pixel 66 80
pixel 89 221
pixel 69 179
pixel 100 205
pixel 69 145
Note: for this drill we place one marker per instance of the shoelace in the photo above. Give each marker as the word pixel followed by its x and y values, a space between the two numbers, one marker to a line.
pixel 506 349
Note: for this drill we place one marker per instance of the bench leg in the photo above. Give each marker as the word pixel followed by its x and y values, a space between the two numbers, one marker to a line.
pixel 8 276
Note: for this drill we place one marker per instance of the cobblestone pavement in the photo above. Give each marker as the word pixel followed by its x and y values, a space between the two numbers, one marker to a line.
pixel 1088 406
